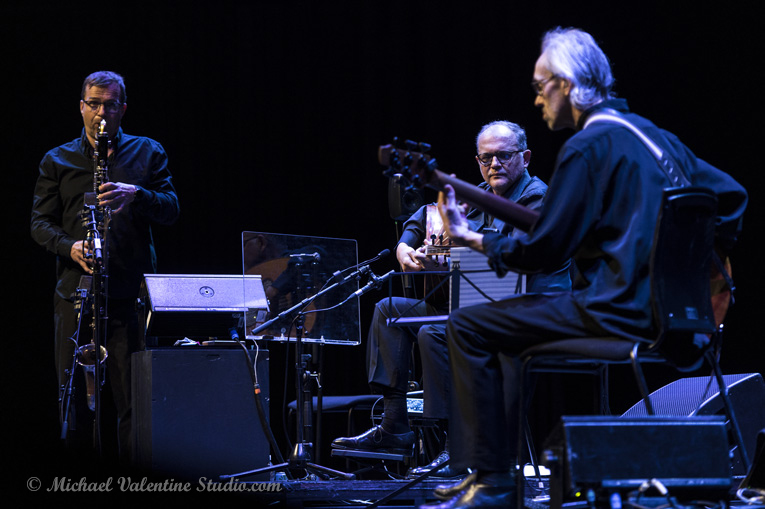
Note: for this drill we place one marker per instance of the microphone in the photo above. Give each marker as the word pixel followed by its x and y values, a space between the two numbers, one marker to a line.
pixel 356 274
pixel 316 256
pixel 381 254
pixel 374 284
pixel 98 253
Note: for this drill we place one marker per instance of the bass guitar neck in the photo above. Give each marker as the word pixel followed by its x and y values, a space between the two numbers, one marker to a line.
pixel 421 170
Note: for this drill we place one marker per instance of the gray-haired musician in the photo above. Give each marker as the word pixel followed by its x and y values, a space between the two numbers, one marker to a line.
pixel 503 159
pixel 135 191
pixel 601 211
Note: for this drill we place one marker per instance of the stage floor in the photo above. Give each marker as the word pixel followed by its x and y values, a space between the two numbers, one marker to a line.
pixel 380 493
pixel 362 493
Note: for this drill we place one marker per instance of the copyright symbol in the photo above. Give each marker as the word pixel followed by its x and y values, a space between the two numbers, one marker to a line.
pixel 33 484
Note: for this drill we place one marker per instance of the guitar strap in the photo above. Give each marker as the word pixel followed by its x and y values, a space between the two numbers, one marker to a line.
pixel 667 164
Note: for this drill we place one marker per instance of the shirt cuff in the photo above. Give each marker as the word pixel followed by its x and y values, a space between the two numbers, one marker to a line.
pixel 493 249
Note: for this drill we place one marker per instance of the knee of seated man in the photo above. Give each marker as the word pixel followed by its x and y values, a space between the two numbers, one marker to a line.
pixel 384 306
pixel 429 335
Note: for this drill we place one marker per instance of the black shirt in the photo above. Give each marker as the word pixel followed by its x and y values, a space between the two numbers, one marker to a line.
pixel 66 174
pixel 601 210
pixel 527 191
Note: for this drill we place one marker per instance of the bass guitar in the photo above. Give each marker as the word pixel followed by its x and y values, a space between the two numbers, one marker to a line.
pixel 412 165
pixel 418 169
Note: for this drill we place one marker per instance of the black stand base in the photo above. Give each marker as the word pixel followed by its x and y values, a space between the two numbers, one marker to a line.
pixel 300 458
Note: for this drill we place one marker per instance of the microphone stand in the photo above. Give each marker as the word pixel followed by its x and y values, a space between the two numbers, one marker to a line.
pixel 66 391
pixel 100 315
pixel 301 452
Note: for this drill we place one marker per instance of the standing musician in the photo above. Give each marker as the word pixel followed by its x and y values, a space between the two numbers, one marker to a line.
pixel 138 191
pixel 601 211
pixel 503 159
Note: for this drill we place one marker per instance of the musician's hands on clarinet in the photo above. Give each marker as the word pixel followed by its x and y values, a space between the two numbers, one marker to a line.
pixel 116 195
pixel 79 253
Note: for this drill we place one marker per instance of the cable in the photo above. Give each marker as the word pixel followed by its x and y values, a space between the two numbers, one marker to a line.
pixel 257 394
pixel 751 495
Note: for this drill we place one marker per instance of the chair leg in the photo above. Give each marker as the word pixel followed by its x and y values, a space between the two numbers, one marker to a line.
pixel 526 391
pixel 604 405
pixel 532 450
pixel 735 429
pixel 640 378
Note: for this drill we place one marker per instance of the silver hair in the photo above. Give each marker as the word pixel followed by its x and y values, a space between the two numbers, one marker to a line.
pixel 573 54
pixel 520 133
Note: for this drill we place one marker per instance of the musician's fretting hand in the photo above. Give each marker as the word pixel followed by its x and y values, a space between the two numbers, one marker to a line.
pixel 78 255
pixel 456 226
pixel 413 260
pixel 116 195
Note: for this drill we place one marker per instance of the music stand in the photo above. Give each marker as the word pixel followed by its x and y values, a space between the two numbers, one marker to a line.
pixel 296 272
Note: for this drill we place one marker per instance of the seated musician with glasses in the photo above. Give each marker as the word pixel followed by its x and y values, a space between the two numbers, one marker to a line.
pixel 503 160
pixel 139 192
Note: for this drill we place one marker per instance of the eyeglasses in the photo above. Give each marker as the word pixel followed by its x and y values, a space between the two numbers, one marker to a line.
pixel 539 85
pixel 502 156
pixel 109 106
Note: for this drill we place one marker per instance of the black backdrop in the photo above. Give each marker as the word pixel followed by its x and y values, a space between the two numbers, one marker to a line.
pixel 272 112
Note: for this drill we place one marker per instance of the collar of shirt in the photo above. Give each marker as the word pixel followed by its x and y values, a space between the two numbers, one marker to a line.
pixel 88 149
pixel 616 104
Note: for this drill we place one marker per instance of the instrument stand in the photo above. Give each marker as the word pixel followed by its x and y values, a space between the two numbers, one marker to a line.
pixel 96 298
pixel 300 458
pixel 66 391
pixel 100 314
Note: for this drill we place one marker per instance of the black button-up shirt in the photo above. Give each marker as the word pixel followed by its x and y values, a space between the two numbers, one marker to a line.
pixel 66 174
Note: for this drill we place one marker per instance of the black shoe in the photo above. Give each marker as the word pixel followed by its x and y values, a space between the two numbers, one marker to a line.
pixel 448 491
pixel 378 440
pixel 446 472
pixel 480 495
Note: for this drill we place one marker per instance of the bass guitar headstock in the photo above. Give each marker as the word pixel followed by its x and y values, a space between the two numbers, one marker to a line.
pixel 408 162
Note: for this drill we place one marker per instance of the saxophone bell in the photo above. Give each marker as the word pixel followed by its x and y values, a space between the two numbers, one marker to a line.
pixel 86 357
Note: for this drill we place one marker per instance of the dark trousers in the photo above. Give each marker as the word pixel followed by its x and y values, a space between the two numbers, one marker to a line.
pixel 483 422
pixel 389 348
pixel 123 337
pixel 389 353
pixel 436 377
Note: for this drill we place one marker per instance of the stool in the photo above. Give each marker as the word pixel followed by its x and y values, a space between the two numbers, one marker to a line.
pixel 339 404
pixel 419 425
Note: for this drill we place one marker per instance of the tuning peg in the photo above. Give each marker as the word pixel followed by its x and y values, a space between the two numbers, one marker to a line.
pixel 424 147
pixel 411 145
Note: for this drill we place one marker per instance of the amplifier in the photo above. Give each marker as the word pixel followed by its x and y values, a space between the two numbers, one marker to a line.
pixel 603 455
pixel 200 305
pixel 195 414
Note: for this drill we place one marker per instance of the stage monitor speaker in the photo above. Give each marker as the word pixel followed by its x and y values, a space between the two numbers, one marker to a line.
pixel 195 414
pixel 689 455
pixel 701 396
pixel 199 305
pixel 755 478
pixel 403 201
